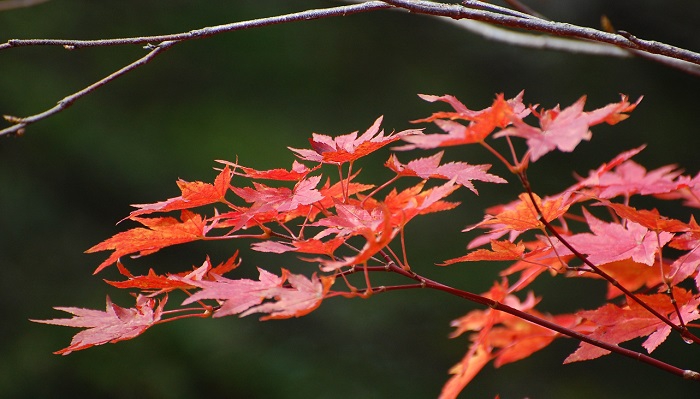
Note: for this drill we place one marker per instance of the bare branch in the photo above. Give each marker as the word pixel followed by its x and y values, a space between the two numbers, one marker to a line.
pixel 540 25
pixel 21 123
pixel 164 43
pixel 204 32
pixel 477 16
pixel 12 4
pixel 542 42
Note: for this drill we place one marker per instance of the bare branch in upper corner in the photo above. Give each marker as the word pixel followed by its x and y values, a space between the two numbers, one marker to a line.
pixel 12 4
pixel 162 43
pixel 485 19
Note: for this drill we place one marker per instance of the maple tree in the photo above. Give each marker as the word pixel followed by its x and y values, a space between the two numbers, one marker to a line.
pixel 347 226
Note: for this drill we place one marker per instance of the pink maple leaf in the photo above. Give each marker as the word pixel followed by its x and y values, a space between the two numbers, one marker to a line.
pixel 281 199
pixel 611 242
pixel 301 297
pixel 631 178
pixel 593 179
pixel 112 325
pixel 268 199
pixel 349 147
pixel 565 129
pixel 236 296
pixel 429 167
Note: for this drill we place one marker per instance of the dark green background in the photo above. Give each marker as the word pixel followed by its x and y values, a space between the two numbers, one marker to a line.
pixel 250 94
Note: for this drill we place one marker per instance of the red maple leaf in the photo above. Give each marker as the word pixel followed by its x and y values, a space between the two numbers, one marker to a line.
pixel 376 227
pixel 112 325
pixel 158 283
pixel 463 372
pixel 380 222
pixel 159 233
pixel 687 264
pixel 535 262
pixel 270 201
pixel 615 324
pixel 349 147
pixel 194 194
pixel 309 246
pixel 429 167
pixel 298 172
pixel 565 129
pixel 503 336
pixel 688 190
pixel 281 199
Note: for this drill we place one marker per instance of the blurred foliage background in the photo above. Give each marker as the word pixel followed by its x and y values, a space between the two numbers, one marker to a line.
pixel 250 94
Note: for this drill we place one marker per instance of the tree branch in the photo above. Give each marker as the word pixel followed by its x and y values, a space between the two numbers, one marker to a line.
pixel 541 25
pixel 21 123
pixel 428 283
pixel 164 42
pixel 12 4
pixel 479 17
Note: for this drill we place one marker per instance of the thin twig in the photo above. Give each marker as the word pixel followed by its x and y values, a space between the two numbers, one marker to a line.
pixel 21 123
pixel 205 32
pixel 163 42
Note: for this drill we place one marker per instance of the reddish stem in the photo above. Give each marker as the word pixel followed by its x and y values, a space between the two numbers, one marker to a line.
pixel 427 283
pixel 681 330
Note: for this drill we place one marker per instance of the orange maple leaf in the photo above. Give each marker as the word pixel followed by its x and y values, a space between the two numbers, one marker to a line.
pixel 650 219
pixel 159 233
pixel 500 250
pixel 499 114
pixel 298 172
pixel 158 283
pixel 463 372
pixel 631 275
pixel 194 194
pixel 523 216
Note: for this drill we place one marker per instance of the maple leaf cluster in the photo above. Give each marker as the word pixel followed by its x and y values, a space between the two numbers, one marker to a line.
pixel 341 225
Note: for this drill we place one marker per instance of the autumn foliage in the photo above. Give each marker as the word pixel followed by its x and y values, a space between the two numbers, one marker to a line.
pixel 322 210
